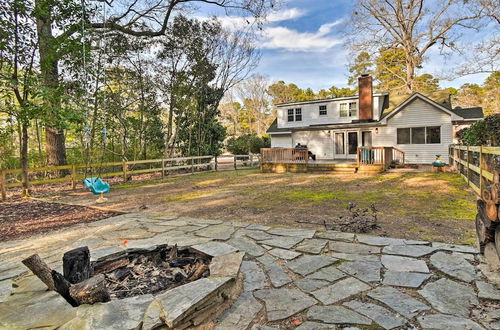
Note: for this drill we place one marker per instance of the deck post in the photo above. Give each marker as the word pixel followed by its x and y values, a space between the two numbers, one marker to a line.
pixel 3 183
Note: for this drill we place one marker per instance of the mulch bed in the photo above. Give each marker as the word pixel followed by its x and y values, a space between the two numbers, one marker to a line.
pixel 22 218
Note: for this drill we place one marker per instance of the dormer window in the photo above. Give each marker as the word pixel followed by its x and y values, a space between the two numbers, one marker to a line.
pixel 322 110
pixel 348 109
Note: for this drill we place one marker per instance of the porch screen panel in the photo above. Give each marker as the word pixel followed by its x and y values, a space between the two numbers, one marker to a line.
pixel 339 143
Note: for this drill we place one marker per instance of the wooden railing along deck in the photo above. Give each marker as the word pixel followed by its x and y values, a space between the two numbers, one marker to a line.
pixel 284 155
pixel 380 156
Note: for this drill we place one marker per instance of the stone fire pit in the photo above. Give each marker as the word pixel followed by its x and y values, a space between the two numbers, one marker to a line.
pixel 183 287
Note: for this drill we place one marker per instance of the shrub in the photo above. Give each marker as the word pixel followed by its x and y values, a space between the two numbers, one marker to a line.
pixel 246 144
pixel 481 133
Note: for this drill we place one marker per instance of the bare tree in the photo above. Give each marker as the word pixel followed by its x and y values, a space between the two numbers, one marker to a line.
pixel 414 25
pixel 256 100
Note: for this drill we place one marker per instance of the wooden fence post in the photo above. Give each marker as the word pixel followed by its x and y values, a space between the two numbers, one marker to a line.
pixel 468 169
pixel 73 177
pixel 216 164
pixel 251 160
pixel 235 166
pixel 3 182
pixel 192 165
pixel 125 169
pixel 162 168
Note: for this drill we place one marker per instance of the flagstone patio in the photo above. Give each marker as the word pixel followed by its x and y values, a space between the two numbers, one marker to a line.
pixel 292 278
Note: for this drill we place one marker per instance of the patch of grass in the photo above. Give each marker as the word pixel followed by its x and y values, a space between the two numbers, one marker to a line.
pixel 185 197
pixel 470 238
pixel 459 209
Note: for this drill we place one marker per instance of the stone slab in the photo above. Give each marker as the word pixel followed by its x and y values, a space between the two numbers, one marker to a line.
pixel 283 303
pixel 258 227
pixel 308 284
pixel 487 291
pixel 447 322
pixel 405 279
pixel 404 264
pixel 257 235
pixel 308 325
pixel 398 301
pixel 215 249
pixel 379 241
pixel 294 232
pixel 241 313
pixel 284 254
pixel 177 303
pixel 336 235
pixel 336 315
pixel 409 250
pixel 247 245
pixel 282 241
pixel 353 248
pixel 367 271
pixel 254 276
pixel 330 274
pixel 340 290
pixel 219 232
pixel 266 259
pixel 454 266
pixel 226 265
pixel 379 314
pixel 356 257
pixel 455 248
pixel 5 289
pixel 117 314
pixel 277 275
pixel 450 297
pixel 312 246
pixel 308 264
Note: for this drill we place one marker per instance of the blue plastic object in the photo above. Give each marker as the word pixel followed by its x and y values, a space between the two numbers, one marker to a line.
pixel 96 185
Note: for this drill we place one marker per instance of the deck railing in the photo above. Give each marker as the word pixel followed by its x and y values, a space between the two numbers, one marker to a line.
pixel 476 164
pixel 380 156
pixel 284 155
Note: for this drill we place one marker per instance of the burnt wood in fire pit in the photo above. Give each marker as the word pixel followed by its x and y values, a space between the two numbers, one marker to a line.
pixel 76 265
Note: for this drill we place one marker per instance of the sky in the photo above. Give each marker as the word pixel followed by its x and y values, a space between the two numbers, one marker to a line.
pixel 302 42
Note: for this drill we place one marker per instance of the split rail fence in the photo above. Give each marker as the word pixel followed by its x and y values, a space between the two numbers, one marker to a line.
pixel 477 165
pixel 10 178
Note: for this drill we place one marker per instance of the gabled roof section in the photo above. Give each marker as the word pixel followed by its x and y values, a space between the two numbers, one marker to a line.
pixel 469 113
pixel 441 98
pixel 274 128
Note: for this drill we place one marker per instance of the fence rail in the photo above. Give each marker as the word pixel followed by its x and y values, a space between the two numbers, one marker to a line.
pixel 10 178
pixel 284 155
pixel 476 164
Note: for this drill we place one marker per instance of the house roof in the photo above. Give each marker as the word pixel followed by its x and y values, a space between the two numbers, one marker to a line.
pixel 441 97
pixel 274 128
pixel 469 113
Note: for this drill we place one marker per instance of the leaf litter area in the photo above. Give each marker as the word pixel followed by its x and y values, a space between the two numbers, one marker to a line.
pixel 23 217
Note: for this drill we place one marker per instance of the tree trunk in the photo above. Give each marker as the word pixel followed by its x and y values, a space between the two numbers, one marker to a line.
pixel 410 76
pixel 24 159
pixel 49 61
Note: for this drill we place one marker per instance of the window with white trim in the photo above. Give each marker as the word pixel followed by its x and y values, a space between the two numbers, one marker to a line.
pixel 419 135
pixel 348 109
pixel 298 114
pixel 322 110
pixel 290 115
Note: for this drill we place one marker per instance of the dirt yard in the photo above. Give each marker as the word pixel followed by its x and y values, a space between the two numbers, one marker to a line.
pixel 21 218
pixel 429 206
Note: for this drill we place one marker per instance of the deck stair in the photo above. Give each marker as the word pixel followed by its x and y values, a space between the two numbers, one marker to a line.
pixel 331 168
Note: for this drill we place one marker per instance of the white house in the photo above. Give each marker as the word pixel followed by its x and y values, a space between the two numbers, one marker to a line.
pixel 420 125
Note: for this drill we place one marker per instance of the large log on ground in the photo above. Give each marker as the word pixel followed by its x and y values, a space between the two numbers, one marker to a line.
pixel 90 291
pixel 76 265
pixel 63 287
pixel 41 270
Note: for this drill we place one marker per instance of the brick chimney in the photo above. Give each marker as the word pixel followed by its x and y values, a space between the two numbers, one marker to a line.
pixel 365 95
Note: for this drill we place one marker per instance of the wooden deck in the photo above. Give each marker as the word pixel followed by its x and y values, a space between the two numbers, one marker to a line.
pixel 368 160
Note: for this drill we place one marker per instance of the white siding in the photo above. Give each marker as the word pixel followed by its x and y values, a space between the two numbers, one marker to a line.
pixel 310 113
pixel 281 141
pixel 319 143
pixel 417 113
